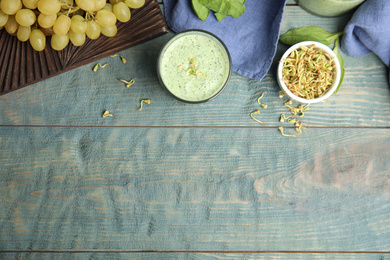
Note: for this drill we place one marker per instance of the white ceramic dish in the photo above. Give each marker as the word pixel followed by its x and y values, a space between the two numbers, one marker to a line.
pixel 336 82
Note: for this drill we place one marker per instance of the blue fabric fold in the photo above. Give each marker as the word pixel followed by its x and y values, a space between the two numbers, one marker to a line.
pixel 369 31
pixel 251 38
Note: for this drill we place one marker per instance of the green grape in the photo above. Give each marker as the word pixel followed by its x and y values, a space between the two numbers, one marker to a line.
pixel 93 30
pixel 23 33
pixel 86 5
pixel 99 5
pixel 46 21
pixel 78 24
pixel 25 17
pixel 49 7
pixel 66 4
pixel 38 40
pixel 3 18
pixel 108 7
pixel 30 4
pixel 11 26
pixel 62 25
pixel 110 31
pixel 122 12
pixel 134 4
pixel 105 18
pixel 77 39
pixel 59 42
pixel 11 7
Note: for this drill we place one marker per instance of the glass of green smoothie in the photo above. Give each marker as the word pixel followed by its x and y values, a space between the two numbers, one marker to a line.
pixel 194 66
pixel 329 8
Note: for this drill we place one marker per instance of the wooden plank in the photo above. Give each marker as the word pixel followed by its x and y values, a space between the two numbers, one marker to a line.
pixel 80 96
pixel 291 2
pixel 219 189
pixel 200 256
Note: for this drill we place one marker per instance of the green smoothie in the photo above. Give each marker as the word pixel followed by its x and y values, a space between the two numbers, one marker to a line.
pixel 194 66
pixel 329 8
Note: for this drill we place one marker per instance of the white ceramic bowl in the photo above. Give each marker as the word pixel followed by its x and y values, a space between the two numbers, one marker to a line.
pixel 325 49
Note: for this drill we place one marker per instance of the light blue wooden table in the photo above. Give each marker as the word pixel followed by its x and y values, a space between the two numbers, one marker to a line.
pixel 180 181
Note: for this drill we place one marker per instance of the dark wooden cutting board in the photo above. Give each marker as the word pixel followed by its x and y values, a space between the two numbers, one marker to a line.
pixel 21 65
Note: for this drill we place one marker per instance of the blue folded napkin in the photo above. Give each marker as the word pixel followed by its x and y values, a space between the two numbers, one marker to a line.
pixel 251 38
pixel 369 31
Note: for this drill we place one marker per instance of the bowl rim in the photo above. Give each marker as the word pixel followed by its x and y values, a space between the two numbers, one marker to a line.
pixel 324 48
pixel 180 34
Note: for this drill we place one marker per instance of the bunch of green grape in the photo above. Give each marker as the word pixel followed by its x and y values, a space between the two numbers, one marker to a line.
pixel 63 20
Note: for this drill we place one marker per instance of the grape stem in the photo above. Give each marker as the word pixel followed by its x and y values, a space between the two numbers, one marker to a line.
pixel 73 9
pixel 89 16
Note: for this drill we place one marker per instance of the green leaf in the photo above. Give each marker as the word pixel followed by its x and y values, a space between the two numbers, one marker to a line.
pixel 200 10
pixel 220 16
pixel 336 50
pixel 222 8
pixel 341 80
pixel 309 33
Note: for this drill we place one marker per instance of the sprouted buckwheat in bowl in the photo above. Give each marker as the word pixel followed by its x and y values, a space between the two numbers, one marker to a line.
pixel 309 72
pixel 194 66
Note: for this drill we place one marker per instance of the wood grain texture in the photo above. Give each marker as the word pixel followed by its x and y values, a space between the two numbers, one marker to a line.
pixel 196 181
pixel 198 256
pixel 194 189
pixel 80 96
